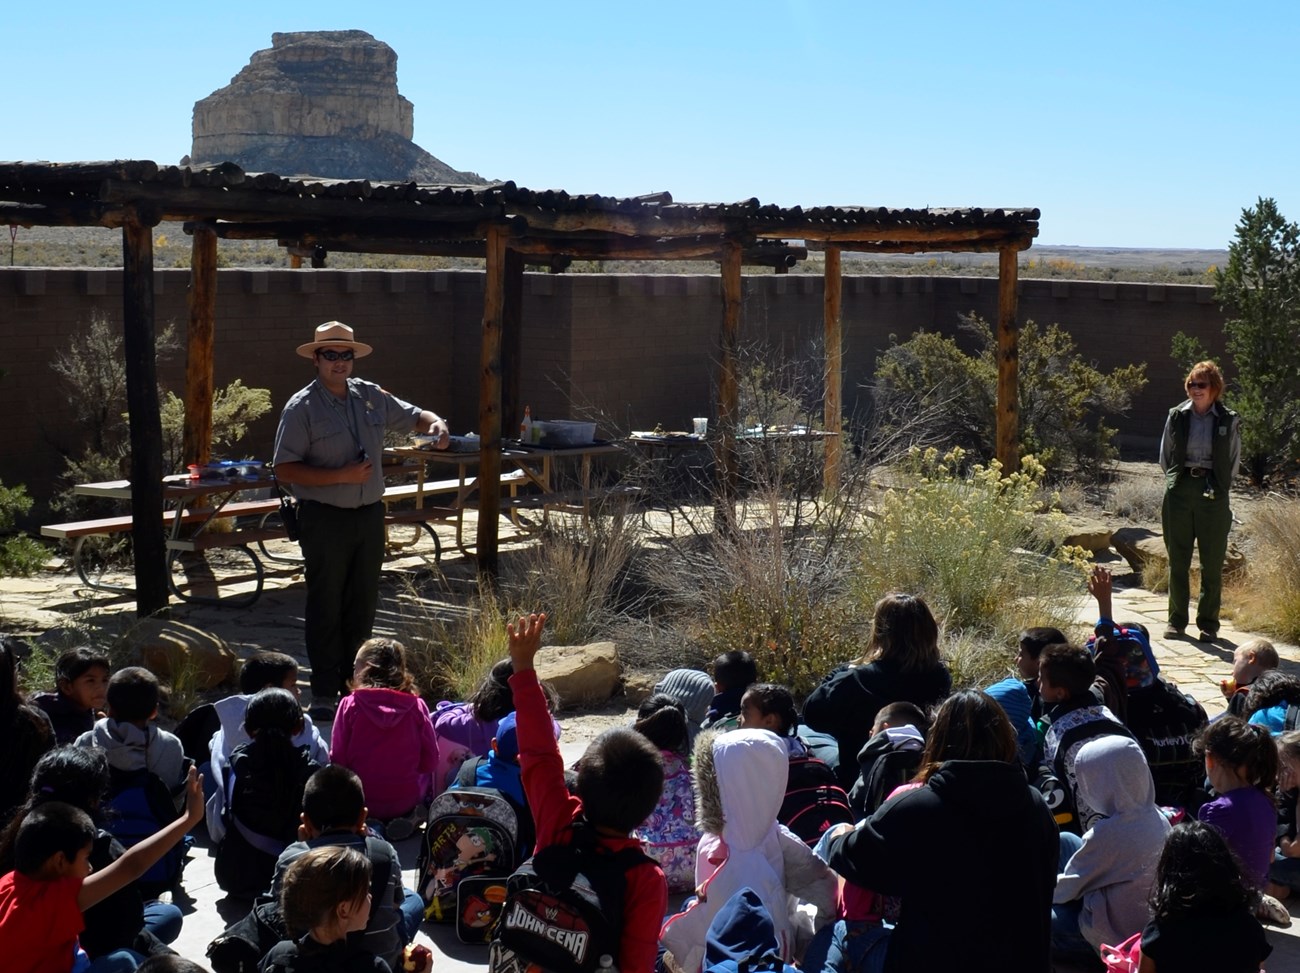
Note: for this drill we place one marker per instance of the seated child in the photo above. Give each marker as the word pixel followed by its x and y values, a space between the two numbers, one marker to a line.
pixel 132 741
pixel 383 732
pixel 81 678
pixel 499 770
pixel 1241 764
pixel 619 780
pixel 264 792
pixel 740 780
pixel 768 706
pixel 464 730
pixel 263 670
pixel 669 832
pixel 1202 909
pixel 1274 701
pixel 26 732
pixel 42 899
pixel 324 898
pixel 1284 872
pixel 79 776
pixel 1105 876
pixel 1028 651
pixel 733 673
pixel 692 688
pixel 743 937
pixel 334 813
pixel 891 757
pixel 1250 660
pixel 1072 716
pixel 1016 702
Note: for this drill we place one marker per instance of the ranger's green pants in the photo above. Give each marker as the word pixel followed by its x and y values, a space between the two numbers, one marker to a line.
pixel 1188 517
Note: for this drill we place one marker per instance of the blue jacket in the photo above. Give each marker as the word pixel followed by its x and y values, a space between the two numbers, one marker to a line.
pixel 742 932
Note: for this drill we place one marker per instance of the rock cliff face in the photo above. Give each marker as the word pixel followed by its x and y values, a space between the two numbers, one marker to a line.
pixel 321 103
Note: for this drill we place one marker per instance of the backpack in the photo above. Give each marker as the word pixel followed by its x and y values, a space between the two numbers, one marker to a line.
pixel 1064 738
pixel 814 800
pixel 564 908
pixel 139 805
pixel 1165 722
pixel 471 831
pixel 526 832
pixel 669 832
pixel 885 771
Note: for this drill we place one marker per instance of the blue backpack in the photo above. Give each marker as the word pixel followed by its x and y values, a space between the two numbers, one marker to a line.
pixel 140 805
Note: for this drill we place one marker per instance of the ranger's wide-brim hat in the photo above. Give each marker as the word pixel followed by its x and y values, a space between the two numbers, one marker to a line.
pixel 334 334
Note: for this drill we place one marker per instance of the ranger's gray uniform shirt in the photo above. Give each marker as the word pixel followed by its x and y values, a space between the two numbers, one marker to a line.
pixel 318 429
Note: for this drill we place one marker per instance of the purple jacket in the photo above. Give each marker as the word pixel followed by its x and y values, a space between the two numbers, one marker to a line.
pixel 385 737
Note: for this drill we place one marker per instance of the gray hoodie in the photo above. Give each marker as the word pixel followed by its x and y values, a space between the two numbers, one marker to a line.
pixel 131 748
pixel 1113 870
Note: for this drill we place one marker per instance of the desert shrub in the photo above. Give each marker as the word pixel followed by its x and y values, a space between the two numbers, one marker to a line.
pixel 20 555
pixel 1271 592
pixel 233 409
pixel 1137 500
pixel 974 545
pixel 976 660
pixel 1063 401
pixel 449 653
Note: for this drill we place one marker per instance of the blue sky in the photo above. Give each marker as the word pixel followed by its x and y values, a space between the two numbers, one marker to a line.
pixel 1142 124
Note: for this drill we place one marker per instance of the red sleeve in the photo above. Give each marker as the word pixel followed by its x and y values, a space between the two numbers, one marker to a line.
pixel 644 905
pixel 541 766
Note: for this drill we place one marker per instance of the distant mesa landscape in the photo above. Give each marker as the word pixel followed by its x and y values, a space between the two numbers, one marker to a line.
pixel 318 103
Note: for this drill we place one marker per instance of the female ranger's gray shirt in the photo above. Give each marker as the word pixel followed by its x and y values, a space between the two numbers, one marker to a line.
pixel 316 428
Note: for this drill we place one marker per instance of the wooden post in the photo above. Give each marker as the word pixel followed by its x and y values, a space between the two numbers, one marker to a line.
pixel 1008 418
pixel 728 386
pixel 512 345
pixel 489 404
pixel 197 442
pixel 834 354
pixel 140 348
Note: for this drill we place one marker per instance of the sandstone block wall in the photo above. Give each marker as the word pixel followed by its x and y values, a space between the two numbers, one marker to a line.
pixel 637 349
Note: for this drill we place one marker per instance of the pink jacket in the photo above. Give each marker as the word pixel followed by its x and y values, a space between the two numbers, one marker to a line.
pixel 385 737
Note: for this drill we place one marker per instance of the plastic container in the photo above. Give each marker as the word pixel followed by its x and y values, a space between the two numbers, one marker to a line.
pixel 565 432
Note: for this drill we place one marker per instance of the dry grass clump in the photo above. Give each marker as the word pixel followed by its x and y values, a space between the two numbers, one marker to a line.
pixel 1270 595
pixel 1138 500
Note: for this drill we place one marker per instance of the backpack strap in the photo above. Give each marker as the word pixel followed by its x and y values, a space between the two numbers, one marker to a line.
pixel 467 776
pixel 1292 721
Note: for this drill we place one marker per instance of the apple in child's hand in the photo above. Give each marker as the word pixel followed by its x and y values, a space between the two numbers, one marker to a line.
pixel 1229 686
pixel 416 959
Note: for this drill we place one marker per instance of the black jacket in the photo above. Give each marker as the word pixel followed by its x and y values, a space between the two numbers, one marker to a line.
pixel 309 956
pixel 846 703
pixel 973 853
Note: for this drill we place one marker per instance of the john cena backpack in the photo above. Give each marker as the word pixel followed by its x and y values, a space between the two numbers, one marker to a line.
pixel 564 908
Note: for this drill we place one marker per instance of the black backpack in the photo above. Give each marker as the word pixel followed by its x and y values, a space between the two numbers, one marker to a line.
pixel 886 770
pixel 1166 721
pixel 471 831
pixel 814 800
pixel 564 907
pixel 140 805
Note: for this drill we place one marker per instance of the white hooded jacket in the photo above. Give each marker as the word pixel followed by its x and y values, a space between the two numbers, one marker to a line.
pixel 1113 870
pixel 740 779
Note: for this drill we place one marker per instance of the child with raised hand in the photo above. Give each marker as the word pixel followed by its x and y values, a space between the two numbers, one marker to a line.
pixel 81 681
pixel 1201 909
pixel 42 899
pixel 1241 765
pixel 382 731
pixel 79 776
pixel 325 897
pixel 669 831
pixel 619 780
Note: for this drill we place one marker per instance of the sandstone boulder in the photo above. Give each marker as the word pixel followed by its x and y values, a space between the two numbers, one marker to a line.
pixel 583 675
pixel 1140 547
pixel 321 103
pixel 1091 535
pixel 169 649
pixel 639 685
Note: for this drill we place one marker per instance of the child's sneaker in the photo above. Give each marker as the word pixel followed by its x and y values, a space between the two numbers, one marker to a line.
pixel 1273 912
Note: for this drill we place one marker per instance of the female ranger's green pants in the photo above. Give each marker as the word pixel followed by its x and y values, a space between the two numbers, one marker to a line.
pixel 1188 516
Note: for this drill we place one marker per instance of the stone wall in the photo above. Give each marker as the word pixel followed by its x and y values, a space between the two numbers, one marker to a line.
pixel 637 349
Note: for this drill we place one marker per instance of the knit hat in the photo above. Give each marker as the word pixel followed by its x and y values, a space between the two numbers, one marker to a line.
pixel 692 688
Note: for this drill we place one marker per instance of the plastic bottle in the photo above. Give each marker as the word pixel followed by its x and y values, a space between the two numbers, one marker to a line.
pixel 526 427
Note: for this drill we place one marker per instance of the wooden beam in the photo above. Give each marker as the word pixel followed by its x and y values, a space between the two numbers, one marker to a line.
pixel 915 233
pixel 1014 242
pixel 202 299
pixel 832 410
pixel 140 349
pixel 489 406
pixel 61 213
pixel 239 204
pixel 728 388
pixel 1008 418
pixel 512 344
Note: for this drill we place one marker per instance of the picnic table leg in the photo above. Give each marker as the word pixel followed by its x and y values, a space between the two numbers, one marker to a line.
pixel 235 601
